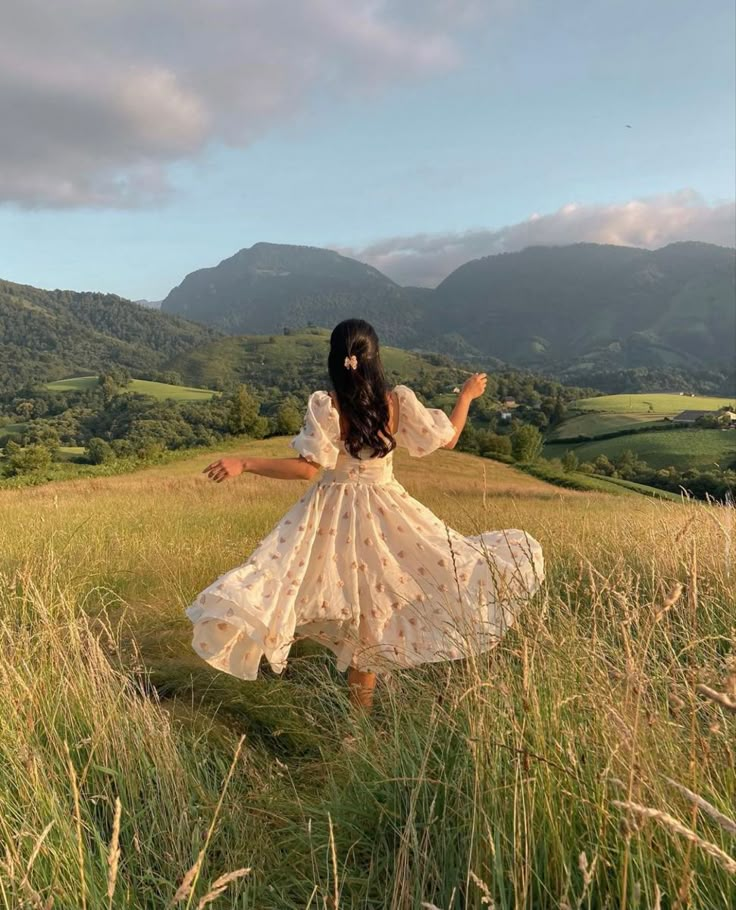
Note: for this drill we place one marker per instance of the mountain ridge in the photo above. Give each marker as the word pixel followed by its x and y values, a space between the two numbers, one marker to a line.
pixel 573 306
pixel 589 314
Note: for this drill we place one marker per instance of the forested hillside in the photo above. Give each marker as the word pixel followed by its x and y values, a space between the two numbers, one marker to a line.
pixel 588 308
pixel 53 334
pixel 608 316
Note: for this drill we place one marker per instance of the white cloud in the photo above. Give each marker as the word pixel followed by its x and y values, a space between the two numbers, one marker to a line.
pixel 426 259
pixel 97 97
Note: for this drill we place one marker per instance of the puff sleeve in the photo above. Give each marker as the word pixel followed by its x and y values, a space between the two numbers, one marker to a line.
pixel 318 439
pixel 421 429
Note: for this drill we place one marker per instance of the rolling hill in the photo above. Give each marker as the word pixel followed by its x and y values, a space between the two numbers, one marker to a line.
pixel 591 307
pixel 269 286
pixel 616 413
pixel 293 360
pixel 45 335
pixel 651 405
pixel 683 448
pixel 576 309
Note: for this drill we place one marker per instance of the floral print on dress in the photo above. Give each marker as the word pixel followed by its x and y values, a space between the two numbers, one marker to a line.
pixel 364 568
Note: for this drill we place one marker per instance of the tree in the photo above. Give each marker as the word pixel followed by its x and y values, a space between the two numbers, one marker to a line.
pixel 558 413
pixel 31 460
pixel 99 451
pixel 243 411
pixel 602 465
pixel 570 462
pixel 536 418
pixel 468 441
pixel 108 386
pixel 627 464
pixel 709 421
pixel 24 409
pixel 288 419
pixel 491 444
pixel 41 431
pixel 12 448
pixel 526 444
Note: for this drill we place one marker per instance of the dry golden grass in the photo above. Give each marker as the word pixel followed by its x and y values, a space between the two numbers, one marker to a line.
pixel 588 762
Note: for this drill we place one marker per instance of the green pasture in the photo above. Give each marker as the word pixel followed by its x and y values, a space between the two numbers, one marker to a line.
pixel 159 390
pixel 682 448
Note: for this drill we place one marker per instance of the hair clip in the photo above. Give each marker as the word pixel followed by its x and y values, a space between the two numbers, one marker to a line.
pixel 351 363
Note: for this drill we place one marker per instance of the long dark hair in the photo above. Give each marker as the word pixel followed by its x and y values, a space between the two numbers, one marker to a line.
pixel 361 392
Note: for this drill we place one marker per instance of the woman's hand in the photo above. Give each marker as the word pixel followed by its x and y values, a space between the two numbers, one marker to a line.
pixel 475 386
pixel 225 467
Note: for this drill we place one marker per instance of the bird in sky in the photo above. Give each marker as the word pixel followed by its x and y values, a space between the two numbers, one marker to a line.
pixel 628 126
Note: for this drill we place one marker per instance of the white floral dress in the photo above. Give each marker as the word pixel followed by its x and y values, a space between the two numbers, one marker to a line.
pixel 362 567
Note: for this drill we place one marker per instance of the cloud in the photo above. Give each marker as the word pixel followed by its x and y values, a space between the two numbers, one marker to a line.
pixel 99 97
pixel 426 259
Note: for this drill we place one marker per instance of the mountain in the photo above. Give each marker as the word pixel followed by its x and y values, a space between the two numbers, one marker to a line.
pixel 570 310
pixel 269 286
pixel 151 304
pixel 51 334
pixel 595 307
pixel 584 313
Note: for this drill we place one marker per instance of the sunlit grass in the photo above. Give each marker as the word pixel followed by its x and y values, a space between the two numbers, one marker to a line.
pixel 495 775
pixel 656 404
pixel 159 390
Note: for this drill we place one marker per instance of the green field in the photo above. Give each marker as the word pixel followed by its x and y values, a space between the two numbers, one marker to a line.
pixel 578 480
pixel 682 448
pixel 159 390
pixel 518 781
pixel 651 404
pixel 614 413
pixel 595 424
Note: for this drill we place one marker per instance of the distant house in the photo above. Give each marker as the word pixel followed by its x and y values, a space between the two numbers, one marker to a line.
pixel 505 415
pixel 692 416
pixel 509 403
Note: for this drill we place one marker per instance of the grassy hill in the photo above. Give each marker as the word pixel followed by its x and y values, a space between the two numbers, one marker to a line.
pixel 296 359
pixel 503 776
pixel 614 413
pixel 682 448
pixel 158 390
pixel 652 405
pixel 594 423
pixel 46 334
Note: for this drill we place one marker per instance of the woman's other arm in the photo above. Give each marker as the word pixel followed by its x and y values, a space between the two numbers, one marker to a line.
pixel 472 388
pixel 279 468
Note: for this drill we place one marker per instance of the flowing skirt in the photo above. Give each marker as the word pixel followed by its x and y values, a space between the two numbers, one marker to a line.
pixel 371 573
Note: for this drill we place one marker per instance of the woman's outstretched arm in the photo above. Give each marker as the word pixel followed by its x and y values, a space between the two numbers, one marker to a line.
pixel 280 468
pixel 472 388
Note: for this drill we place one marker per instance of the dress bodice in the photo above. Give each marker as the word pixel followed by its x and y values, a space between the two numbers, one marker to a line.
pixel 349 469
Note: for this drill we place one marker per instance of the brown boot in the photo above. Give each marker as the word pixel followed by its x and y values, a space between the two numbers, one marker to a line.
pixel 361 686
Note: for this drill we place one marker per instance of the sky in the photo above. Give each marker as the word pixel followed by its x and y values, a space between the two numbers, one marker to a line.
pixel 142 140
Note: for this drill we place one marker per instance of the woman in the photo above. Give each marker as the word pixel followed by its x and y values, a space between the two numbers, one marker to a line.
pixel 358 564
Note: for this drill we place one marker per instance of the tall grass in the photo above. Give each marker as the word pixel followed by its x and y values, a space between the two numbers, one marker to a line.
pixel 587 762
